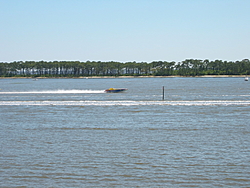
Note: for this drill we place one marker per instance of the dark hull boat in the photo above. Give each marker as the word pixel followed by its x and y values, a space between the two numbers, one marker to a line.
pixel 113 90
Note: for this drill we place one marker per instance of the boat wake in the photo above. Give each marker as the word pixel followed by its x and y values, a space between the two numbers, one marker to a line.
pixel 55 92
pixel 125 103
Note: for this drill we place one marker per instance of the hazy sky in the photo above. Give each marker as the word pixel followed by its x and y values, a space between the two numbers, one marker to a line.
pixel 124 30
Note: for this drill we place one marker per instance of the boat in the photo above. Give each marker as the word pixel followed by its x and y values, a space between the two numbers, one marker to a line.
pixel 114 90
pixel 246 78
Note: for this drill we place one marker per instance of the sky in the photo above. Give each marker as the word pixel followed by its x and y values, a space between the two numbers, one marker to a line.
pixel 124 30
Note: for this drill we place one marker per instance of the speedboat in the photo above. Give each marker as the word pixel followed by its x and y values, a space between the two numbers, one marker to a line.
pixel 246 78
pixel 113 90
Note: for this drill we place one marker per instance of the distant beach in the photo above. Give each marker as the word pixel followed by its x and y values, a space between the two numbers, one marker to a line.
pixel 101 77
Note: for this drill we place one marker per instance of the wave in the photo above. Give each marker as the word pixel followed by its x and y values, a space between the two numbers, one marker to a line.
pixel 55 92
pixel 126 103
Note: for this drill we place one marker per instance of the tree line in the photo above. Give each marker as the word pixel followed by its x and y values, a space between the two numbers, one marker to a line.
pixel 188 67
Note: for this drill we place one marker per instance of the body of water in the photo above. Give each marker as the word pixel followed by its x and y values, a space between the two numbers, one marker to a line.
pixel 70 133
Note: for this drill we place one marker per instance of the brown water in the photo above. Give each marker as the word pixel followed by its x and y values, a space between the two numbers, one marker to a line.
pixel 69 133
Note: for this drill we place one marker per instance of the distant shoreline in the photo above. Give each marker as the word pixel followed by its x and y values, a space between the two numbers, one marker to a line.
pixel 103 77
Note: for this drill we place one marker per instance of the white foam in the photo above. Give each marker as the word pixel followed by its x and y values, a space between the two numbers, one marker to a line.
pixel 126 103
pixel 54 92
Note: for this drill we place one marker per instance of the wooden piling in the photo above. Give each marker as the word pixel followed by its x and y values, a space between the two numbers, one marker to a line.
pixel 163 93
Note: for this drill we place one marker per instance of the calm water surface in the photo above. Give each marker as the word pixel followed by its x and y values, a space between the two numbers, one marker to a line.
pixel 70 133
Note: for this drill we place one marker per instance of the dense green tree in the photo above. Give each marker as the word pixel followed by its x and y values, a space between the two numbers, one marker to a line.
pixel 188 67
